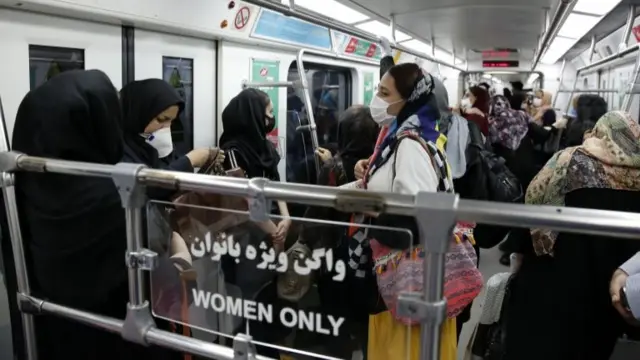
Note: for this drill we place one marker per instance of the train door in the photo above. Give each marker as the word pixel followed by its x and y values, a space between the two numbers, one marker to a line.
pixel 188 64
pixel 37 47
pixel 330 91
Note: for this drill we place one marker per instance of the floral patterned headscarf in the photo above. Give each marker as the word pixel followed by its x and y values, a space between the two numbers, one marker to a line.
pixel 608 158
pixel 507 127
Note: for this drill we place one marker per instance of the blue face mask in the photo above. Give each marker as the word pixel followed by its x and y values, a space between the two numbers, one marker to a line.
pixel 572 113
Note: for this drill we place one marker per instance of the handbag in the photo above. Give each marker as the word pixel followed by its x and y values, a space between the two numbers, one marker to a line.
pixel 400 271
pixel 193 217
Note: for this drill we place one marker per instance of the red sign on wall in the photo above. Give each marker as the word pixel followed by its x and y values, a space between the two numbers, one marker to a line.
pixel 636 32
pixel 351 46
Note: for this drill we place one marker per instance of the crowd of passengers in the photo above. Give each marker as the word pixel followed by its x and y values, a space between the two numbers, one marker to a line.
pixel 563 302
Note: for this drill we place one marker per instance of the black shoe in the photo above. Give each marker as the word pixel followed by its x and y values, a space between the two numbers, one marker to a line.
pixel 505 259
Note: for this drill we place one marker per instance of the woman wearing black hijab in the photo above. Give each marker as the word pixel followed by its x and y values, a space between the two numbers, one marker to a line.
pixel 73 227
pixel 246 121
pixel 149 107
pixel 357 134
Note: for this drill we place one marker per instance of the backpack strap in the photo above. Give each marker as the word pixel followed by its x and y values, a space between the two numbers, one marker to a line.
pixel 438 160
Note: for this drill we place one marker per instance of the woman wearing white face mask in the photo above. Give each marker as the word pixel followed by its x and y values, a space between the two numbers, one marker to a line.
pixel 474 107
pixel 149 107
pixel 404 104
pixel 545 115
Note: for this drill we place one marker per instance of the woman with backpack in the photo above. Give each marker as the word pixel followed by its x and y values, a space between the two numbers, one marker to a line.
pixel 404 104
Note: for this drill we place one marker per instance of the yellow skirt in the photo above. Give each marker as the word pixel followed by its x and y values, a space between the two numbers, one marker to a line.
pixel 388 339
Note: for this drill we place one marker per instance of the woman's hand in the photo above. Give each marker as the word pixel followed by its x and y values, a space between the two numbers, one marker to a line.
pixel 618 281
pixel 361 168
pixel 561 123
pixel 323 154
pixel 199 157
pixel 282 229
pixel 385 44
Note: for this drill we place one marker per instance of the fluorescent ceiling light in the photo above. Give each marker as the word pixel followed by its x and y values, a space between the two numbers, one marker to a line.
pixel 557 49
pixel 425 48
pixel 444 56
pixel 577 25
pixel 596 7
pixel 377 28
pixel 331 9
pixel 418 46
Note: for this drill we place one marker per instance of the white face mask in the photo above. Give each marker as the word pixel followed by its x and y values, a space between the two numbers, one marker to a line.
pixel 378 109
pixel 465 103
pixel 161 140
pixel 537 102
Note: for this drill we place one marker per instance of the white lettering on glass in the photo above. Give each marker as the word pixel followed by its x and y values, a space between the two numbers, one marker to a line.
pixel 270 259
pixel 257 311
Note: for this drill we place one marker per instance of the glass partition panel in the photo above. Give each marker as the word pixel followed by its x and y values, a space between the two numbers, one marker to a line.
pixel 305 292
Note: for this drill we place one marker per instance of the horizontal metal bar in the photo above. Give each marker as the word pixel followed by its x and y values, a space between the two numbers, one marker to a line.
pixel 154 336
pixel 268 84
pixel 347 29
pixel 591 91
pixel 610 58
pixel 599 222
pixel 559 16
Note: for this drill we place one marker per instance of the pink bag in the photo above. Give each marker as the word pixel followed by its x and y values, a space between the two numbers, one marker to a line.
pixel 403 271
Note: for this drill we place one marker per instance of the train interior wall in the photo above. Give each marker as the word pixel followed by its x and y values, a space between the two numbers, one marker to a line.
pixel 187 47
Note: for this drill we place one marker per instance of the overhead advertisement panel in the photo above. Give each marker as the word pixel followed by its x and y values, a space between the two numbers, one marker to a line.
pixel 352 46
pixel 275 26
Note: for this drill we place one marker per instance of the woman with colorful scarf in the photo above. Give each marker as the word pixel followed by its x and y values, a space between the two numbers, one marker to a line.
pixel 560 306
pixel 404 102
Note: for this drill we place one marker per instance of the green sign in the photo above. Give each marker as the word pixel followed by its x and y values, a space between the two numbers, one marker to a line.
pixel 265 71
pixel 368 88
pixel 363 48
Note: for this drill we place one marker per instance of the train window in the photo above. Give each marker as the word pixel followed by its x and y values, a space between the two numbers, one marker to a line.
pixel 46 62
pixel 179 73
pixel 330 91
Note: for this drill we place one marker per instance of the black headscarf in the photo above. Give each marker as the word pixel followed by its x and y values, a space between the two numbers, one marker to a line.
pixel 142 101
pixel 417 96
pixel 357 134
pixel 74 226
pixel 245 130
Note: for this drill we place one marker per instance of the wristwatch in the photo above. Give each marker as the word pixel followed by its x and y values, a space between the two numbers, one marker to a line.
pixel 623 299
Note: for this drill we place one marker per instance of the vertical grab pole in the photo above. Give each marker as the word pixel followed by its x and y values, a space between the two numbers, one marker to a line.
pixel 436 218
pixel 573 89
pixel 592 49
pixel 307 102
pixel 26 306
pixel 626 103
pixel 392 25
pixel 560 80
pixel 138 259
pixel 631 17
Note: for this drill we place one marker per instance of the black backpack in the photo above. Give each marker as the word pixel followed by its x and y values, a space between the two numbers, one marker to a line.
pixel 500 183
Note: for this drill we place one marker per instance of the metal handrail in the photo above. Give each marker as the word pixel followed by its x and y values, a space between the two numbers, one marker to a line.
pixel 561 13
pixel 597 222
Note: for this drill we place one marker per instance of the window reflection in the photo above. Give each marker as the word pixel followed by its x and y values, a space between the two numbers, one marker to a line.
pixel 330 90
pixel 179 73
pixel 46 62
